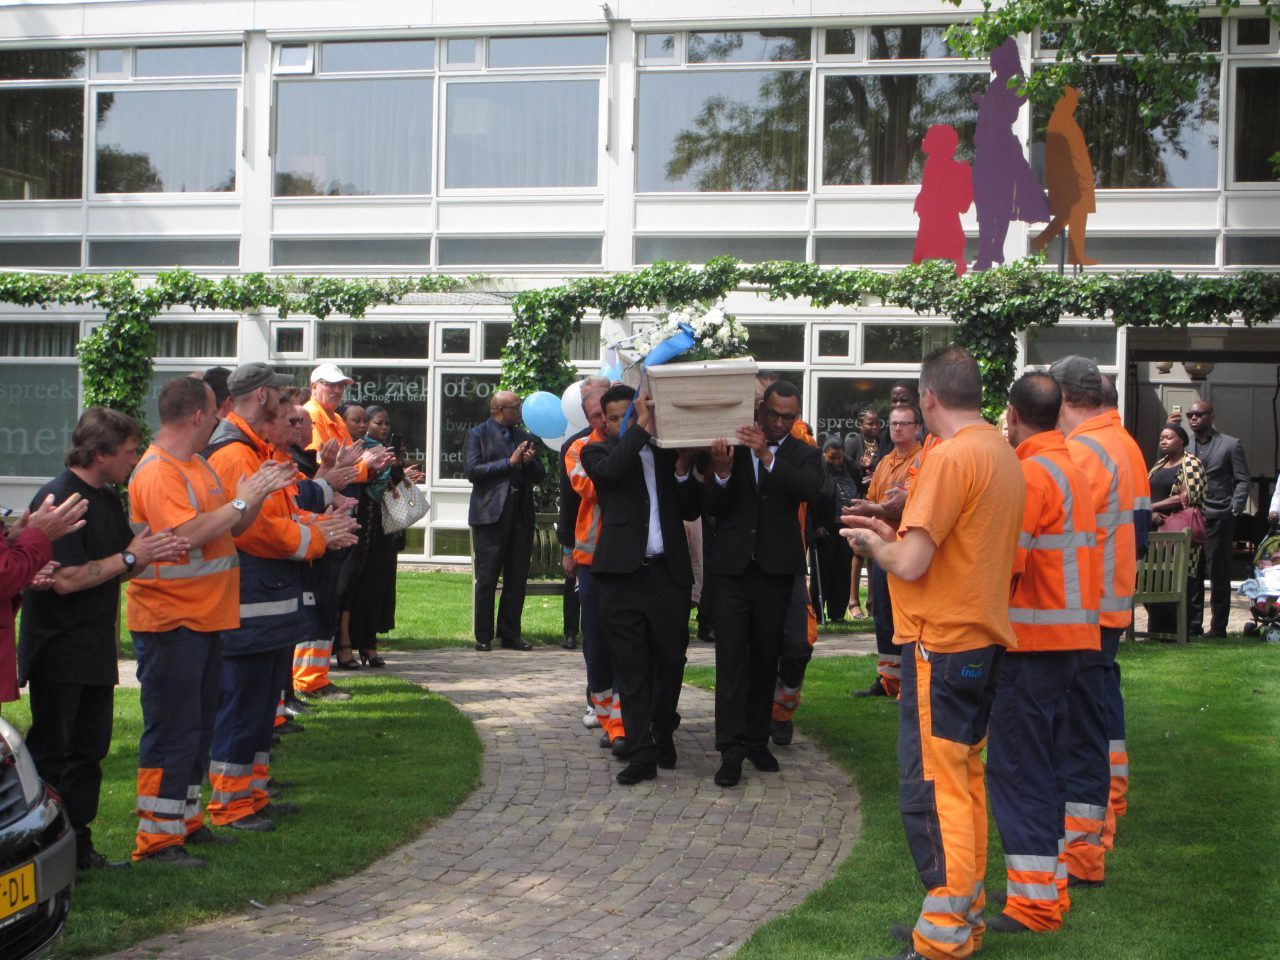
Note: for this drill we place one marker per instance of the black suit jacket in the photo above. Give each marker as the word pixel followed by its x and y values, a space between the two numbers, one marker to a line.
pixel 487 465
pixel 763 523
pixel 1226 473
pixel 614 467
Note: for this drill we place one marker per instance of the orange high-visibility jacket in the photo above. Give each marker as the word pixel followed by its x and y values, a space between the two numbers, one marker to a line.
pixel 586 532
pixel 327 426
pixel 1057 571
pixel 279 532
pixel 1098 447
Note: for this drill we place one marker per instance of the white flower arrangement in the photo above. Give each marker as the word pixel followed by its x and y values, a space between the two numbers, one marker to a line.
pixel 717 335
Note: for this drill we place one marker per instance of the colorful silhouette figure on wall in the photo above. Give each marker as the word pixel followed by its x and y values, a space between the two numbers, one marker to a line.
pixel 946 191
pixel 1005 187
pixel 1068 171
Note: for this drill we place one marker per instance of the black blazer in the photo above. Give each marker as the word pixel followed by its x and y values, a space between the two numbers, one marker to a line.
pixel 615 469
pixel 487 464
pixel 1226 472
pixel 763 523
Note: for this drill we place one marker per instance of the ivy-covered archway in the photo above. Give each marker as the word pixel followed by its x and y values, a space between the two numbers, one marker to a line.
pixel 989 308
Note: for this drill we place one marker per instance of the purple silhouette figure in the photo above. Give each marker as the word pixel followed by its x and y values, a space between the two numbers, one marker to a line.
pixel 1004 186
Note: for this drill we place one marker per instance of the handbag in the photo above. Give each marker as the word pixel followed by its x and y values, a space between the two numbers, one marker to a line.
pixel 1188 518
pixel 406 509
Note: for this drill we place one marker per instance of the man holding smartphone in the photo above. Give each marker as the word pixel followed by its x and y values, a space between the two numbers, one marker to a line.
pixel 501 462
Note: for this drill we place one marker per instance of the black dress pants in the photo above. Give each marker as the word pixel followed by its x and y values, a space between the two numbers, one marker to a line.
pixel 750 612
pixel 645 615
pixel 1215 564
pixel 70 734
pixel 502 549
pixel 834 558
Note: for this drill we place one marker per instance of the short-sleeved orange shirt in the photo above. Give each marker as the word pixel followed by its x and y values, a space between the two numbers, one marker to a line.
pixel 969 499
pixel 201 591
pixel 890 471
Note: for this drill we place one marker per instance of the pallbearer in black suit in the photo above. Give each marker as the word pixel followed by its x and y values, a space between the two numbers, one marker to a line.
pixel 752 564
pixel 641 567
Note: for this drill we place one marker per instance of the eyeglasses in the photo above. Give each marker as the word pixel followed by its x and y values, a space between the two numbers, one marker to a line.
pixel 509 406
pixel 902 423
pixel 297 421
pixel 787 418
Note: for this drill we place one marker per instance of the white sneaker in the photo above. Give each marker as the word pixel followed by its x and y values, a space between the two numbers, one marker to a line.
pixel 590 720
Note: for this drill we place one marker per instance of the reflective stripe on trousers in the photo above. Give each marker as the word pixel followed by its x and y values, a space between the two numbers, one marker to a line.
pixel 311 665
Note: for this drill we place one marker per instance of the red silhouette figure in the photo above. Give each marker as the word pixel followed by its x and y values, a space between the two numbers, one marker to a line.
pixel 946 191
pixel 1068 172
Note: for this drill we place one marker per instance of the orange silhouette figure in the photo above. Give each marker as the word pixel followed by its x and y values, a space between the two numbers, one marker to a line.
pixel 946 191
pixel 1069 175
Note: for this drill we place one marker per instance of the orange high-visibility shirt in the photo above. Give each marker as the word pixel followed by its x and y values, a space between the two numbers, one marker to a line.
pixel 930 441
pixel 327 426
pixel 891 471
pixel 201 589
pixel 1057 573
pixel 968 498
pixel 586 531
pixel 1098 447
pixel 278 532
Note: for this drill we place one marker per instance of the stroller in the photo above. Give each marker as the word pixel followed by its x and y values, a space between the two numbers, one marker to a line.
pixel 1263 590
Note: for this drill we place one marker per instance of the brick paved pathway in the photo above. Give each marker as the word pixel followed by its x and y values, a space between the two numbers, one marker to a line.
pixel 549 858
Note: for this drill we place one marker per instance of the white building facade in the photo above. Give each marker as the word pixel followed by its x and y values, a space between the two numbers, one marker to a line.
pixel 538 141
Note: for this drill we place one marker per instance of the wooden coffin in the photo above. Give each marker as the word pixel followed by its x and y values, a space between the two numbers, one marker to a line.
pixel 696 403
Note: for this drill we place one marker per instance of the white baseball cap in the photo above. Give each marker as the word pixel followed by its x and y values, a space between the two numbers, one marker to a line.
pixel 329 373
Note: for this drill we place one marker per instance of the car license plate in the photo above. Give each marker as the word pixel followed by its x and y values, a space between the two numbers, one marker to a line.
pixel 17 890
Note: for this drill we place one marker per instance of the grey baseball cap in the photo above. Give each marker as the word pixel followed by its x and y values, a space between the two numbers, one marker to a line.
pixel 1076 372
pixel 250 376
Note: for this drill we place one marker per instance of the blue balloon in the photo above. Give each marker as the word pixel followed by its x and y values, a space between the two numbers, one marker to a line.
pixel 543 415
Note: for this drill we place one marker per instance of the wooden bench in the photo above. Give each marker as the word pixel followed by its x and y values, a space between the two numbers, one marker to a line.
pixel 1162 578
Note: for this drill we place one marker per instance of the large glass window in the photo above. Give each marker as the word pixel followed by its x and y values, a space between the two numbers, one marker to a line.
pixel 918 42
pixel 873 124
pixel 1181 150
pixel 166 141
pixel 902 342
pixel 41 143
pixel 749 46
pixel 39 405
pixel 22 338
pixel 522 134
pixel 41 64
pixel 360 339
pixel 570 51
pixel 186 62
pixel 353 137
pixel 1257 123
pixel 840 399
pixel 720 130
pixel 378 56
pixel 196 339
pixel 464 403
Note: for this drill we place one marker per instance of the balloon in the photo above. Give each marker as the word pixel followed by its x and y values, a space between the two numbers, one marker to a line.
pixel 571 406
pixel 555 443
pixel 543 416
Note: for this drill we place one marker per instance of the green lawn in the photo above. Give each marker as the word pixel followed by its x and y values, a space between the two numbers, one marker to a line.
pixel 367 779
pixel 1192 873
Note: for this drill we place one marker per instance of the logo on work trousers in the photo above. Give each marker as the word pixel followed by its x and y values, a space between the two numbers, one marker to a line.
pixel 971 671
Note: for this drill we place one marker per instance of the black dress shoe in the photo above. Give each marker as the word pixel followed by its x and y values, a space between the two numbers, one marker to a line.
pixel 875 690
pixel 604 741
pixel 483 646
pixel 729 774
pixel 175 856
pixel 619 748
pixel 763 760
pixel 1003 923
pixel 1079 883
pixel 279 809
pixel 781 732
pixel 252 823
pixel 634 773
pixel 1215 635
pixel 206 836
pixel 902 933
pixel 96 861
pixel 666 751
pixel 570 643
pixel 516 645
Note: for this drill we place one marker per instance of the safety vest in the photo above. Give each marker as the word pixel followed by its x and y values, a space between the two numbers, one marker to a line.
pixel 586 532
pixel 1142 483
pixel 327 426
pixel 1098 448
pixel 1057 574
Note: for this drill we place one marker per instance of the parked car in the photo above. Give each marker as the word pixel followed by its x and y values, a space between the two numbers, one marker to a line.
pixel 37 855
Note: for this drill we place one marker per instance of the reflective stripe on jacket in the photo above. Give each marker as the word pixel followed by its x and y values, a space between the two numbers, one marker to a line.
pixel 1057 568
pixel 586 533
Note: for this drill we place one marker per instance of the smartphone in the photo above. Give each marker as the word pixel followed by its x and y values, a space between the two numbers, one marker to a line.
pixel 5 512
pixel 1177 408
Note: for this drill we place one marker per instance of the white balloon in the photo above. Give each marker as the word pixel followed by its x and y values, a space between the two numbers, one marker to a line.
pixel 555 443
pixel 571 406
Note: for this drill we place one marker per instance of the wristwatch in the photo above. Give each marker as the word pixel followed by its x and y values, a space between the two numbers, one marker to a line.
pixel 240 505
pixel 130 561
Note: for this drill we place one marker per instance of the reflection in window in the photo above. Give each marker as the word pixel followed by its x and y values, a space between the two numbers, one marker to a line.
pixel 902 342
pixel 909 43
pixel 876 123
pixel 376 56
pixel 1181 150
pixel 365 339
pixel 776 342
pixel 496 336
pixel 166 141
pixel 41 144
pixel 1257 121
pixel 38 411
pixel 455 340
pixel 40 253
pixel 463 403
pixel 26 339
pixel 833 343
pixel 659 46
pixel 840 399
pixel 572 51
pixel 715 131
pixel 515 134
pixel 450 543
pixel 749 46
pixel 187 62
pixel 353 137
pixel 195 339
pixel 41 64
pixel 1046 345
pixel 840 43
